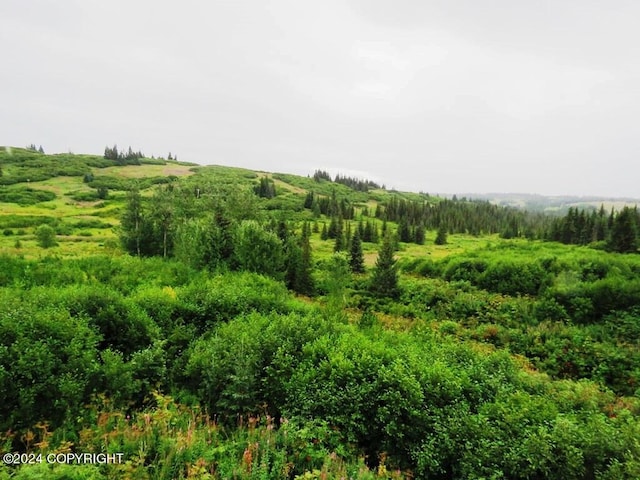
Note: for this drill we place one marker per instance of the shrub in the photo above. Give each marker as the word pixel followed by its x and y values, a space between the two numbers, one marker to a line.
pixel 25 195
pixel 48 361
pixel 46 236
pixel 122 324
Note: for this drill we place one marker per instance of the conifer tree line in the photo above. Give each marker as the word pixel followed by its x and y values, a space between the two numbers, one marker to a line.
pixel 474 217
pixel 266 188
pixel 122 157
pixel 33 148
pixel 329 206
pixel 619 230
pixel 357 184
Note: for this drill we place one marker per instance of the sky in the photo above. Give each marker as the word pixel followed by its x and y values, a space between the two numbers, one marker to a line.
pixel 438 96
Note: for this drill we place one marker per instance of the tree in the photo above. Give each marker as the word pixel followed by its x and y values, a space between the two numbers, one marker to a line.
pixel 324 234
pixel 420 234
pixel 46 236
pixel 356 257
pixel 258 250
pixel 131 223
pixel 384 281
pixel 624 233
pixel 404 232
pixel 266 188
pixel 299 263
pixel 161 214
pixel 441 236
pixel 102 192
pixel 337 279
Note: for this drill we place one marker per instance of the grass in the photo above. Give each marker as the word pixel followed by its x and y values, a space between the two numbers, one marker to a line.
pixel 146 171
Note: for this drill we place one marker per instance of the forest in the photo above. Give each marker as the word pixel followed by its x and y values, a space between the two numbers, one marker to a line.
pixel 211 322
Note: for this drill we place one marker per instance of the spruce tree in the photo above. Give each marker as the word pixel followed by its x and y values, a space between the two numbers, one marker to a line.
pixel 324 234
pixel 624 233
pixel 384 281
pixel 404 232
pixel 356 256
pixel 304 279
pixel 441 236
pixel 420 234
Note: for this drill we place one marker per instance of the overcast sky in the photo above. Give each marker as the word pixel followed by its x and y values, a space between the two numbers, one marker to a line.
pixel 436 96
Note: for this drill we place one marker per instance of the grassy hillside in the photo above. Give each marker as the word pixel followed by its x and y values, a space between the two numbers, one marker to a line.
pixel 62 190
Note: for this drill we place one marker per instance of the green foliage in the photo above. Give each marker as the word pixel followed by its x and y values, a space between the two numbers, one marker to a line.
pixel 335 277
pixel 22 166
pixel 299 263
pixel 48 363
pixel 513 278
pixel 135 227
pixel 384 281
pixel 25 221
pixel 122 324
pixel 496 359
pixel 25 195
pixel 46 236
pixel 258 250
pixel 356 256
pixel 223 297
pixel 265 188
pixel 441 236
pixel 624 234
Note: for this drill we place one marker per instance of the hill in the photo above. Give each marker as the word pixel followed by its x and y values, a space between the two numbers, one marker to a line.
pixel 557 204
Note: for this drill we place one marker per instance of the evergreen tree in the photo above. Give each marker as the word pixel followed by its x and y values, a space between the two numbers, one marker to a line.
pixel 315 208
pixel 339 245
pixel 304 279
pixel 265 188
pixel 420 234
pixel 324 234
pixel 348 237
pixel 308 200
pixel 384 281
pixel 624 233
pixel 332 232
pixel 340 241
pixel 441 236
pixel 367 232
pixel 356 256
pixel 404 232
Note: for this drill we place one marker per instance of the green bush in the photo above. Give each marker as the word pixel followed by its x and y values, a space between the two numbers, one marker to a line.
pixel 122 324
pixel 229 295
pixel 48 365
pixel 25 195
pixel 513 278
pixel 46 236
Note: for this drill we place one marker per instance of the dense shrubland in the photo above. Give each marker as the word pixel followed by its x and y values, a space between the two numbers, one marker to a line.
pixel 480 357
pixel 296 388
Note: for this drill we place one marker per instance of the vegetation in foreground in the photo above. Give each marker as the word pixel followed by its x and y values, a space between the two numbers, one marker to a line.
pixel 487 355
